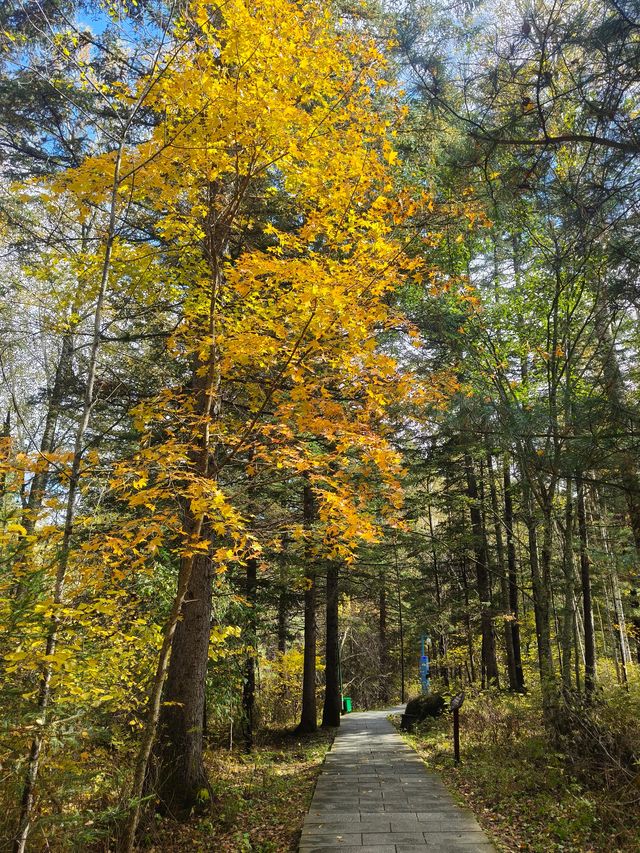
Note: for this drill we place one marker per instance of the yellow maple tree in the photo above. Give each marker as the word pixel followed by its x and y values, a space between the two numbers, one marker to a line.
pixel 266 187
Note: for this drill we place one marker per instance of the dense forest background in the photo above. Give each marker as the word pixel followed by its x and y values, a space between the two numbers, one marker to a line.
pixel 319 336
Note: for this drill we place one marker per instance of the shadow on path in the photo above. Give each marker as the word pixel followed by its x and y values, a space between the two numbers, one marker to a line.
pixel 375 794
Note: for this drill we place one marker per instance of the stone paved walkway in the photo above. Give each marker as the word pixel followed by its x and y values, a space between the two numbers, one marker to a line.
pixel 374 794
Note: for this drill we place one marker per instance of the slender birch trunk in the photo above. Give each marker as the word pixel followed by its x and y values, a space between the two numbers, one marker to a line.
pixel 44 691
pixel 587 606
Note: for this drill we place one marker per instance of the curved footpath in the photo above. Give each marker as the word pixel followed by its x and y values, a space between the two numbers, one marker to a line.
pixel 375 794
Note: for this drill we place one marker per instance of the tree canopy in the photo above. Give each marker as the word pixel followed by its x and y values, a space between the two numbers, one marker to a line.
pixel 319 355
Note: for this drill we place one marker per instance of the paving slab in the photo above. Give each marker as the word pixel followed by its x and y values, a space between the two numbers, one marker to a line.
pixel 346 848
pixel 352 838
pixel 319 828
pixel 375 795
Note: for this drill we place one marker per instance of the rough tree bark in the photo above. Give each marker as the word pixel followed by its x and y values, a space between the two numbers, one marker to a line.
pixel 309 715
pixel 489 661
pixel 513 575
pixel 282 621
pixel 249 686
pixel 504 578
pixel 331 708
pixel 283 599
pixel 181 780
pixel 178 773
pixel 541 601
pixel 467 620
pixel 441 637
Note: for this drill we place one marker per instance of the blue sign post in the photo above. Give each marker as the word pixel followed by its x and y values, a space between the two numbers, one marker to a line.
pixel 425 672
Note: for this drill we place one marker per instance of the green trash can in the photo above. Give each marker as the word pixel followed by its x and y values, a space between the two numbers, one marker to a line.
pixel 346 704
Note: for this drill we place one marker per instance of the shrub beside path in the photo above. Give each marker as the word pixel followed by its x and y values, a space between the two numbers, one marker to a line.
pixel 376 795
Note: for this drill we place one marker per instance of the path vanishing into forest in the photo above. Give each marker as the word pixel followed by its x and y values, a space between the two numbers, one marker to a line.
pixel 375 794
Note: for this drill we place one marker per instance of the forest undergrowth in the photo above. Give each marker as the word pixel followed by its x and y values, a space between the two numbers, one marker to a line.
pixel 260 799
pixel 579 794
pixel 257 804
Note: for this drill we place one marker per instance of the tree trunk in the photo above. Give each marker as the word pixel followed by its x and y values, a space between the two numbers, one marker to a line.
pixel 282 621
pixel 489 661
pixel 181 780
pixel 443 670
pixel 627 465
pixel 283 597
pixel 182 662
pixel 568 614
pixel 513 577
pixel 249 686
pixel 577 648
pixel 614 389
pixel 618 609
pixel 540 581
pixel 384 645
pixel 467 623
pixel 615 648
pixel 5 434
pixel 309 715
pixel 543 595
pixel 331 709
pixel 400 624
pixel 620 626
pixel 504 579
pixel 587 607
